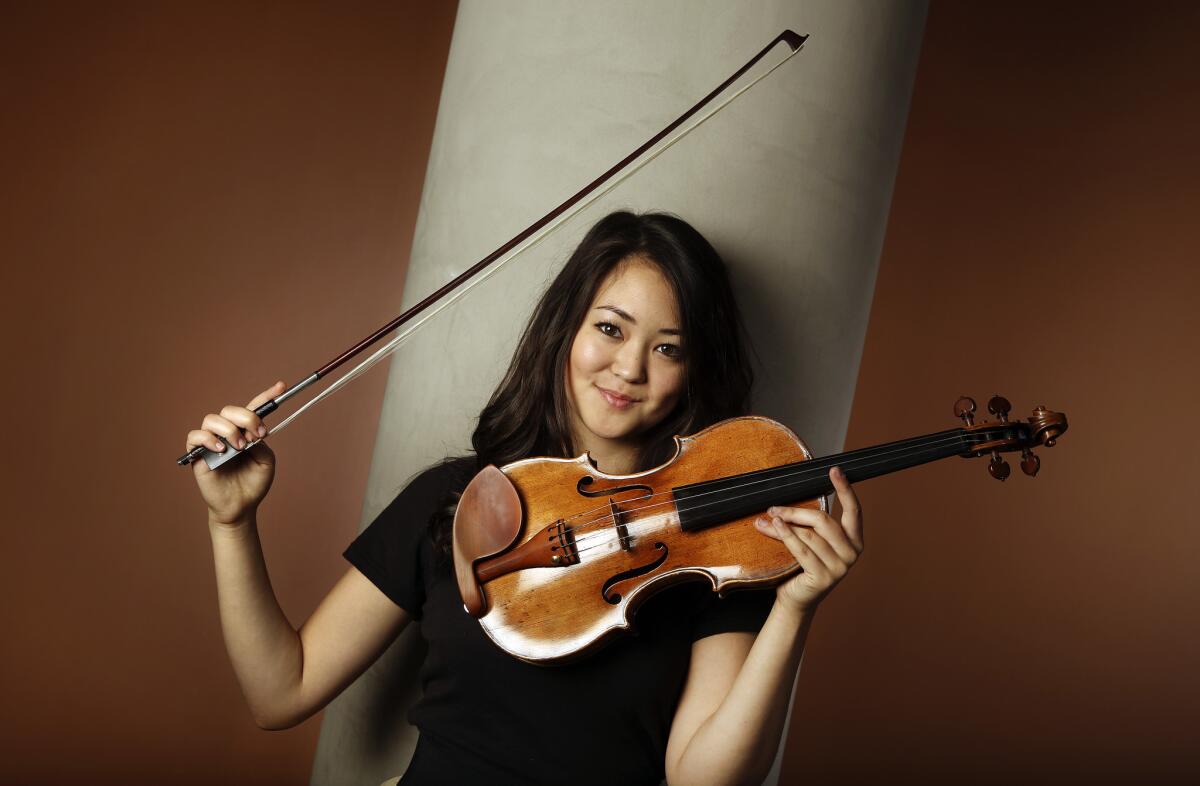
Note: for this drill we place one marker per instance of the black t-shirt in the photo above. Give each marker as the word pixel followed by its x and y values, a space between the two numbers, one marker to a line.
pixel 484 714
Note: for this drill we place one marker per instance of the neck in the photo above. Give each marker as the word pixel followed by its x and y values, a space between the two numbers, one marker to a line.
pixel 713 502
pixel 613 458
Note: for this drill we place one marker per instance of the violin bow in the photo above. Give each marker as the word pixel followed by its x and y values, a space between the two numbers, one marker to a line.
pixel 526 239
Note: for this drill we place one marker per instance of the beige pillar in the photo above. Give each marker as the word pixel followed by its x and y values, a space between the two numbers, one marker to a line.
pixel 791 183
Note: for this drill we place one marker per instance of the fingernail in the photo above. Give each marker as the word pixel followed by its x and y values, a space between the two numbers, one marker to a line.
pixel 241 443
pixel 262 431
pixel 220 446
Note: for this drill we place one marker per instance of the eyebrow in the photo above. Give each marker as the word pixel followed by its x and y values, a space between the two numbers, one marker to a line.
pixel 623 314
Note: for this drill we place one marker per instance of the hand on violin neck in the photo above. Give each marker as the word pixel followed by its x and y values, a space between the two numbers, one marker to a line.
pixel 826 548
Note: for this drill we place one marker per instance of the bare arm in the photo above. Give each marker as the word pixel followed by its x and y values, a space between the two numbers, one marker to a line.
pixel 287 675
pixel 734 704
pixel 732 711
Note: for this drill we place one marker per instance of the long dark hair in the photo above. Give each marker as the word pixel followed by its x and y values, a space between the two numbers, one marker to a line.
pixel 529 414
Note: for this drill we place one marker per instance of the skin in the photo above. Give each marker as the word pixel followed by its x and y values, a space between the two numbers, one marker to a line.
pixel 730 716
pixel 627 369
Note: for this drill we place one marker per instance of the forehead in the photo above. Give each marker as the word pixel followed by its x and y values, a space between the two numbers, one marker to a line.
pixel 639 288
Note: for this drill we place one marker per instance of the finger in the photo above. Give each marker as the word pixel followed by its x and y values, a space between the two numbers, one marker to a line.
pixel 266 395
pixel 823 524
pixel 769 526
pixel 205 438
pixel 259 428
pixel 808 559
pixel 765 526
pixel 852 518
pixel 833 561
pixel 251 424
pixel 223 427
pixel 830 558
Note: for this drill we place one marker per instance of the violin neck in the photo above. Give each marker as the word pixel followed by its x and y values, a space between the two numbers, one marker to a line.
pixel 714 502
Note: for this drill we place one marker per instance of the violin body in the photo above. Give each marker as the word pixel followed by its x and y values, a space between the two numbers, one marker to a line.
pixel 562 565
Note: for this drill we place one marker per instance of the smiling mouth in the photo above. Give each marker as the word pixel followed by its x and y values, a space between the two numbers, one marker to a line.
pixel 616 400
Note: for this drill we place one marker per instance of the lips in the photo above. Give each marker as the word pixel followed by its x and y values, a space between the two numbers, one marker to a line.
pixel 616 400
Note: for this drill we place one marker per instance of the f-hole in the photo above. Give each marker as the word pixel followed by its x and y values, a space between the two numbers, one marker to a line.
pixel 633 573
pixel 588 480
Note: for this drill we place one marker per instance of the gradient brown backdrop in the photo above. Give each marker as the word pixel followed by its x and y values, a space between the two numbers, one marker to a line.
pixel 172 171
pixel 177 174
pixel 1041 244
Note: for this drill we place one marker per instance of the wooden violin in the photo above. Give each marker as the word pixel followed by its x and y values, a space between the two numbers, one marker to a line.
pixel 554 557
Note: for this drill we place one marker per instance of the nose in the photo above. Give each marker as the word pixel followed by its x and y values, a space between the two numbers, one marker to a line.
pixel 629 363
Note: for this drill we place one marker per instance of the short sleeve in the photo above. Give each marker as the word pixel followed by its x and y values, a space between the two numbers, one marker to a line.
pixel 394 549
pixel 742 611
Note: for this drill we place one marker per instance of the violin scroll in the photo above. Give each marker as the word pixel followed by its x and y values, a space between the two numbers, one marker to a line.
pixel 1049 425
pixel 1044 427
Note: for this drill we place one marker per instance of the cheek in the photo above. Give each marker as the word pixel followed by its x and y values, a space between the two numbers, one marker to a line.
pixel 672 384
pixel 587 355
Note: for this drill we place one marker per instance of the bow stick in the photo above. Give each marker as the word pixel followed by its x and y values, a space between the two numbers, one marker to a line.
pixel 526 236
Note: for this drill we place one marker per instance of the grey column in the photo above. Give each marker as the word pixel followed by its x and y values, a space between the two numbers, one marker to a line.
pixel 791 183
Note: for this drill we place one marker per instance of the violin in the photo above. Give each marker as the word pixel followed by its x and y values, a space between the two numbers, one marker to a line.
pixel 553 556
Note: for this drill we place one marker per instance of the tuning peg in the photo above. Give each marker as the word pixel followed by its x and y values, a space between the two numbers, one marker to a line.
pixel 965 408
pixel 998 467
pixel 1030 463
pixel 999 406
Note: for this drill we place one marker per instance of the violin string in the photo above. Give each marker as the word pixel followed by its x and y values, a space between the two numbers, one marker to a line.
pixel 801 475
pixel 634 167
pixel 794 479
pixel 633 528
pixel 603 510
pixel 543 620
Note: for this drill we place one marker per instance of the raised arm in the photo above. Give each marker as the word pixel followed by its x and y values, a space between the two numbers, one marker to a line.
pixel 286 674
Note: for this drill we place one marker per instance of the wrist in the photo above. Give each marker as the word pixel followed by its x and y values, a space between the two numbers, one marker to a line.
pixel 243 523
pixel 793 614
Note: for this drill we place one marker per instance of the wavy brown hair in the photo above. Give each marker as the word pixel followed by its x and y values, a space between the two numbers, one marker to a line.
pixel 529 414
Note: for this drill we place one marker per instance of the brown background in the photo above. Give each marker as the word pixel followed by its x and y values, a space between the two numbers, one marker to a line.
pixel 172 172
pixel 178 174
pixel 1041 244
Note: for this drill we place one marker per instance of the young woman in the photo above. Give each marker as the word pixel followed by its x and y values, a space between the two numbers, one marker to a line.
pixel 636 340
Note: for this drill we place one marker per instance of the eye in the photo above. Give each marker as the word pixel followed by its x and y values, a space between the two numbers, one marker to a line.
pixel 673 351
pixel 609 329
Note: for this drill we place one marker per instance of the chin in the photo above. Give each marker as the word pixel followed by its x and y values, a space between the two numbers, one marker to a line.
pixel 612 434
pixel 609 428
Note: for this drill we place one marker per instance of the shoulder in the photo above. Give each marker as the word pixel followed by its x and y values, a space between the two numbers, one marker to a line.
pixel 405 519
pixel 428 488
pixel 394 550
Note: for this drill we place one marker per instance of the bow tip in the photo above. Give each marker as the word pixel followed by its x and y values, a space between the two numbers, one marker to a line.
pixel 793 39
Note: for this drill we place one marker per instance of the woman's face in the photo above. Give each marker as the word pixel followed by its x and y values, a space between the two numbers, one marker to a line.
pixel 627 370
